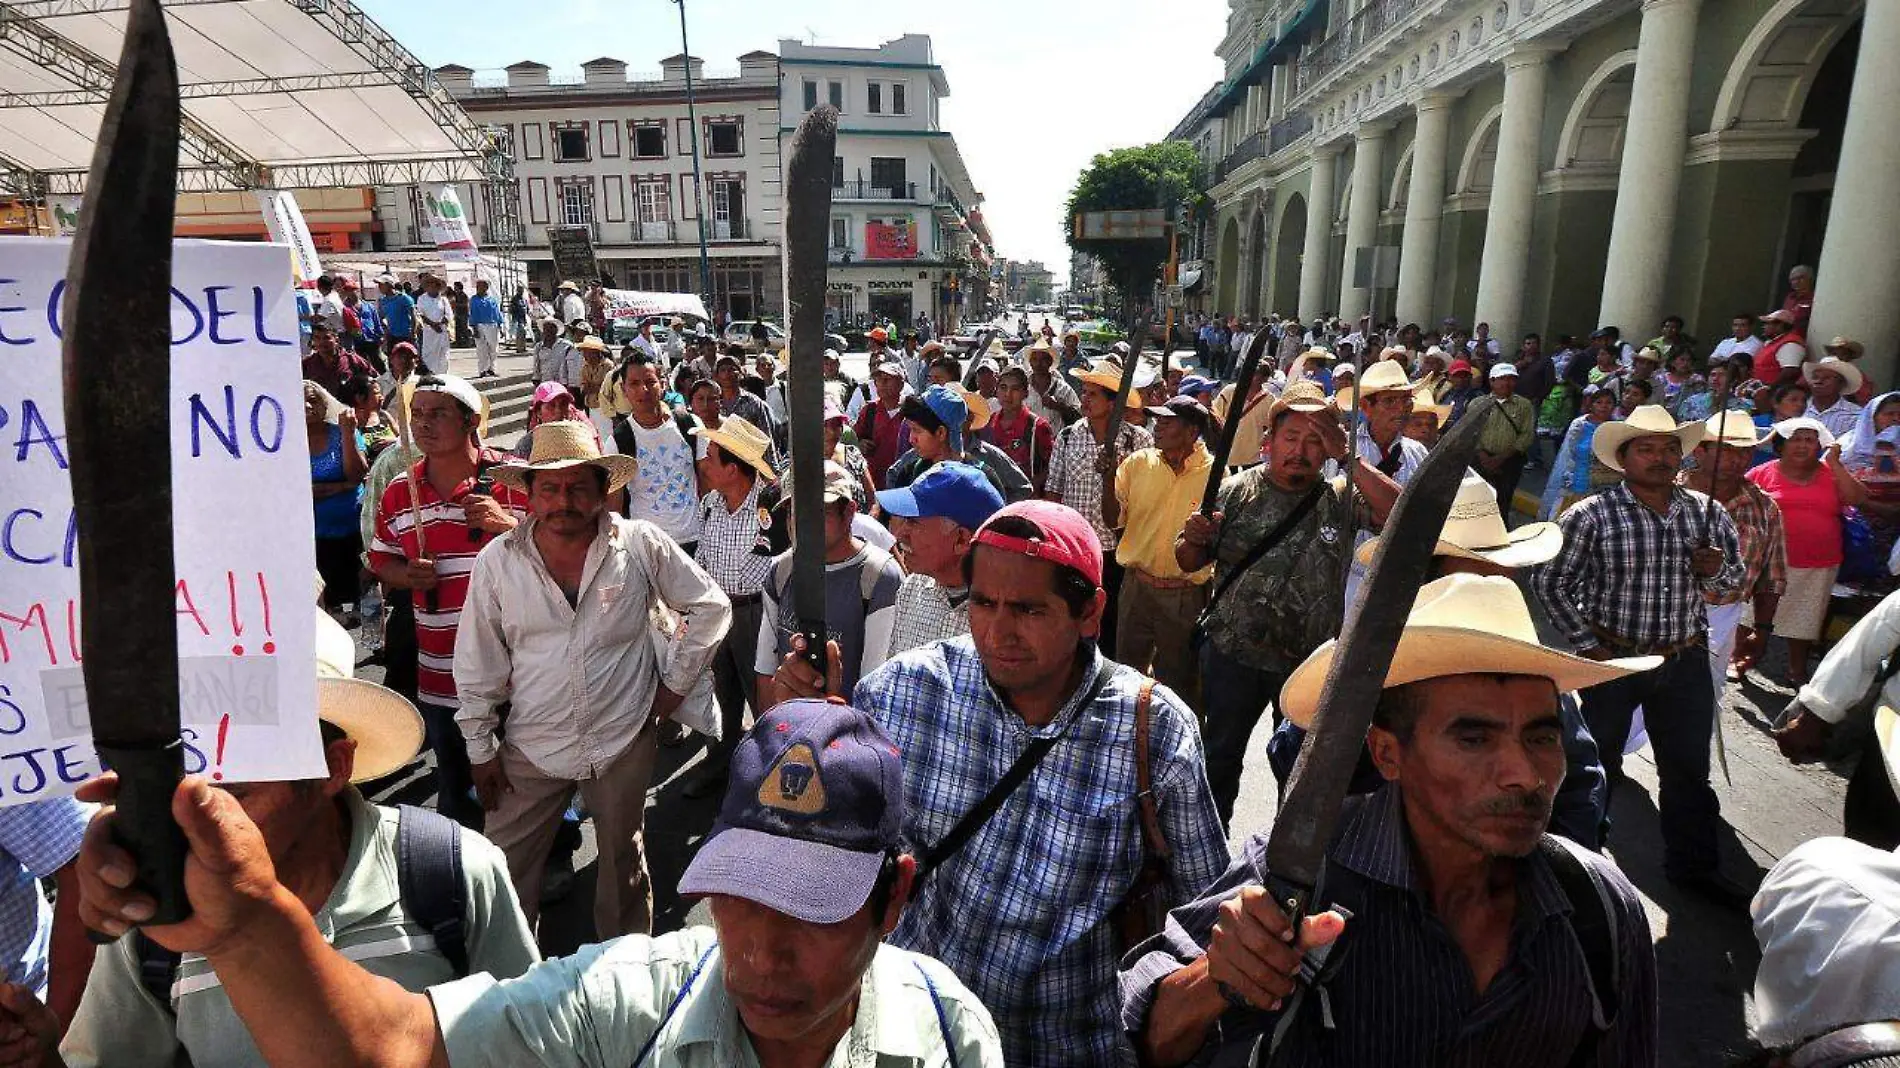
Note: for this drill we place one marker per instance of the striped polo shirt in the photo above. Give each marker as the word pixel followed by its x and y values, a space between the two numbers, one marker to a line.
pixel 447 541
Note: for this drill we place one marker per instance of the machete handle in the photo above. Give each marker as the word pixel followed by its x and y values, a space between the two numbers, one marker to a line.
pixel 1291 898
pixel 815 639
pixel 148 777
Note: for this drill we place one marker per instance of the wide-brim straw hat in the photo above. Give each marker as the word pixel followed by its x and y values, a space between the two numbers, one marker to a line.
pixel 1424 400
pixel 1303 396
pixel 1463 624
pixel 1850 375
pixel 1737 431
pixel 563 444
pixel 1475 530
pixel 1383 376
pixel 979 407
pixel 1108 375
pixel 386 728
pixel 1645 420
pixel 740 438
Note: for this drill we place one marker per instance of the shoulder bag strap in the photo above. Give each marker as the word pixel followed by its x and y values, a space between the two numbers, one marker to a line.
pixel 943 1017
pixel 673 1006
pixel 973 820
pixel 1266 544
pixel 1593 921
pixel 1154 841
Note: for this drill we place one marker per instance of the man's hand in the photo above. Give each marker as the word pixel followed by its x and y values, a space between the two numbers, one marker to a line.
pixel 1202 531
pixel 1253 955
pixel 346 420
pixel 29 1031
pixel 1107 460
pixel 1804 740
pixel 491 782
pixel 485 513
pixel 796 678
pixel 1331 435
pixel 665 703
pixel 229 879
pixel 1706 562
pixel 419 574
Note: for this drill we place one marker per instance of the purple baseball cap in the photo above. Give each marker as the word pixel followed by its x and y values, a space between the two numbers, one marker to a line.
pixel 814 804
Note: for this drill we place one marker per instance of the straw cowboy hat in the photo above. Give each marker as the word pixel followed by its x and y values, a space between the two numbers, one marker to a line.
pixel 570 286
pixel 1849 373
pixel 979 407
pixel 562 444
pixel 1737 431
pixel 742 440
pixel 591 343
pixel 1107 374
pixel 1303 396
pixel 1463 624
pixel 1385 376
pixel 1852 350
pixel 386 728
pixel 1475 531
pixel 1645 420
pixel 1425 399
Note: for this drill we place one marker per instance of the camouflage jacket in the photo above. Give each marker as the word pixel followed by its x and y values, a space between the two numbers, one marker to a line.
pixel 1292 599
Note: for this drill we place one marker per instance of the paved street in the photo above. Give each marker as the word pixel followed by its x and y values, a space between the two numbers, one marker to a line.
pixel 1706 958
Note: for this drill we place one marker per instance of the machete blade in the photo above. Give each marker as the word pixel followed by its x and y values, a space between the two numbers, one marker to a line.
pixel 116 360
pixel 1243 392
pixel 1303 827
pixel 807 232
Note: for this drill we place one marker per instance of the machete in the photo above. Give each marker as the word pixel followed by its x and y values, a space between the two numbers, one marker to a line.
pixel 1303 827
pixel 807 230
pixel 1243 392
pixel 117 368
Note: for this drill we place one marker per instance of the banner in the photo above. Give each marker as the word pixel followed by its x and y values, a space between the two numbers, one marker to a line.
pixel 448 227
pixel 285 222
pixel 894 239
pixel 627 303
pixel 244 550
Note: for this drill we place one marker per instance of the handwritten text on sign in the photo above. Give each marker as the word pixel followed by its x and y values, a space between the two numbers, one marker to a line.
pixel 244 547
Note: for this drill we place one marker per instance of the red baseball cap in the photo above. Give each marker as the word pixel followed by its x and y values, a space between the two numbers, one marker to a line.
pixel 1064 537
pixel 1459 367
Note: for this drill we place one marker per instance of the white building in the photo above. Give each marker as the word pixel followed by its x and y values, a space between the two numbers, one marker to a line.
pixel 906 236
pixel 613 152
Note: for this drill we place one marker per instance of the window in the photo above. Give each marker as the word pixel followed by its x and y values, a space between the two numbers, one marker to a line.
pixel 570 144
pixel 577 202
pixel 841 233
pixel 835 92
pixel 874 99
pixel 887 177
pixel 811 94
pixel 726 204
pixel 653 200
pixel 837 172
pixel 898 103
pixel 649 139
pixel 725 137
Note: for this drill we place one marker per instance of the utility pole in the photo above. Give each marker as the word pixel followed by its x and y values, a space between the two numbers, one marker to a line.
pixel 699 198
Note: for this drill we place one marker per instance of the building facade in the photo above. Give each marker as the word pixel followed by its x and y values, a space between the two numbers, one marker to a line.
pixel 614 153
pixel 907 238
pixel 1556 165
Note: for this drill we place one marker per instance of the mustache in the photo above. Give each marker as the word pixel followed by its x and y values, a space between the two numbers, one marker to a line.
pixel 1532 804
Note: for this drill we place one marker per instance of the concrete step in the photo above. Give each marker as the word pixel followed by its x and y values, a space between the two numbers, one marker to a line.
pixel 508 396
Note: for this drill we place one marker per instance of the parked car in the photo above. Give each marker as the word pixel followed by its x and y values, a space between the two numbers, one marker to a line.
pixel 739 332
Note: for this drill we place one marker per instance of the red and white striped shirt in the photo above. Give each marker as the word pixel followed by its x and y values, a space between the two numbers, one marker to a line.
pixel 447 539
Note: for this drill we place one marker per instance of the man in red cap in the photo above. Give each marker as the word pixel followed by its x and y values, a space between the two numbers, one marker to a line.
pixel 1024 912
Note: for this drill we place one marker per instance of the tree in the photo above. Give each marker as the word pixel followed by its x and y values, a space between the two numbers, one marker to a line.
pixel 1161 175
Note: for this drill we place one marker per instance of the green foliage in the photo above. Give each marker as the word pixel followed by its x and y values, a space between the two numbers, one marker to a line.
pixel 1167 174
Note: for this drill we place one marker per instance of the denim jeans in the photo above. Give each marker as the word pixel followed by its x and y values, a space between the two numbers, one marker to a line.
pixel 1235 696
pixel 1678 703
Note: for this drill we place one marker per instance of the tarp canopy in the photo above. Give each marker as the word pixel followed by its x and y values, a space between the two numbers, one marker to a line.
pixel 293 94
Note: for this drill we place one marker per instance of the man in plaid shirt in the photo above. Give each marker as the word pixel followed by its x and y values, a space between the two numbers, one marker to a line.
pixel 1721 460
pixel 1637 560
pixel 1022 912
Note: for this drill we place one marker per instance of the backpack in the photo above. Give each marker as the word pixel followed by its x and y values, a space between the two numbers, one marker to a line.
pixel 430 885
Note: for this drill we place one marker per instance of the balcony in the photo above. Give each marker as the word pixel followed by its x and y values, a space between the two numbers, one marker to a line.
pixel 947 198
pixel 1353 38
pixel 841 254
pixel 1288 130
pixel 1252 148
pixel 593 229
pixel 651 233
pixel 859 189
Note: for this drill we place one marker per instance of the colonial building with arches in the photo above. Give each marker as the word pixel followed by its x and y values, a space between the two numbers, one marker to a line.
pixel 1556 165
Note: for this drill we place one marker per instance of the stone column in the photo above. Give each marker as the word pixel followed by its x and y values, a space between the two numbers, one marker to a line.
pixel 1857 283
pixel 1276 94
pixel 1362 215
pixel 1507 229
pixel 1424 208
pixel 1319 233
pixel 1654 141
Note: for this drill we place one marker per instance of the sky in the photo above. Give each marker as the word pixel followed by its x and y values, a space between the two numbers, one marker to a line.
pixel 1037 87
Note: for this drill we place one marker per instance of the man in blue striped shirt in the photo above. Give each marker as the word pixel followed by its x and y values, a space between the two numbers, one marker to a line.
pixel 1024 912
pixel 1461 933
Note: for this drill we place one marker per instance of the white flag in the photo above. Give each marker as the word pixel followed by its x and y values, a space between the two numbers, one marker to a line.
pixel 449 226
pixel 285 221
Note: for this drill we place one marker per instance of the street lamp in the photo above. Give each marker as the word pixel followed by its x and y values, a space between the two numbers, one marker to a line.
pixel 699 200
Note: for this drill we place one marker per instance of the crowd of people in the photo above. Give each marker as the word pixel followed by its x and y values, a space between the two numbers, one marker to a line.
pixel 989 822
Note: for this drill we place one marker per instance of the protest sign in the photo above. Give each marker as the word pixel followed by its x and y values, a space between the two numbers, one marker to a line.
pixel 448 226
pixel 628 303
pixel 244 552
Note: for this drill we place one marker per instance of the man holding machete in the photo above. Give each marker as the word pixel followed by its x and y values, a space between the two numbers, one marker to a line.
pixel 1474 937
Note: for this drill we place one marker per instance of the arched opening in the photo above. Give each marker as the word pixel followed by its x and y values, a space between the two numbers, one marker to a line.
pixel 1289 244
pixel 1481 155
pixel 1262 254
pixel 1811 188
pixel 1227 267
pixel 1401 180
pixel 1592 136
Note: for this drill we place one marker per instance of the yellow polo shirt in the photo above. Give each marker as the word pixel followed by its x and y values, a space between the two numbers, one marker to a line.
pixel 1156 502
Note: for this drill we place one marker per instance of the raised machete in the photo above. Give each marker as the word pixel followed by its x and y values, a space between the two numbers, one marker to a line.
pixel 1303 827
pixel 807 231
pixel 116 361
pixel 1243 388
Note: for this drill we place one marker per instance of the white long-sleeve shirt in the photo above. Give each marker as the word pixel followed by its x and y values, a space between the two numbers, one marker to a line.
pixel 1850 667
pixel 581 677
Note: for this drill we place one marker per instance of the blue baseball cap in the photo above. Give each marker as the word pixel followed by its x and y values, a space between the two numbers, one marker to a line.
pixel 814 804
pixel 958 492
pixel 1195 386
pixel 940 406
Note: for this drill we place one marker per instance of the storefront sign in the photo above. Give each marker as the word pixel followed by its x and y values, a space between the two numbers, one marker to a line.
pixel 905 285
pixel 890 239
